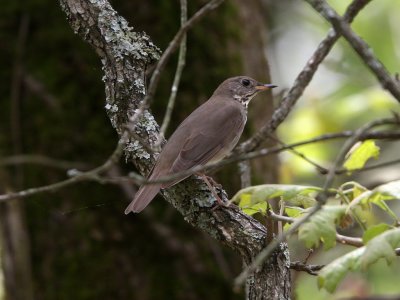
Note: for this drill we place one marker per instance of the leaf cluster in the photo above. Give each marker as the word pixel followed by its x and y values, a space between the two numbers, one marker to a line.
pixel 348 205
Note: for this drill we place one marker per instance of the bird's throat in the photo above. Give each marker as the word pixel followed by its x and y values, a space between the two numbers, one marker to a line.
pixel 243 100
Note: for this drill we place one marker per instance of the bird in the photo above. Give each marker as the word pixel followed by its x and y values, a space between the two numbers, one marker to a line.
pixel 207 135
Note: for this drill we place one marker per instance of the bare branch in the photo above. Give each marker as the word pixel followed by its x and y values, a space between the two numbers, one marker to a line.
pixel 245 173
pixel 42 160
pixel 39 89
pixel 348 240
pixel 89 175
pixel 301 82
pixel 302 267
pixel 364 51
pixel 178 73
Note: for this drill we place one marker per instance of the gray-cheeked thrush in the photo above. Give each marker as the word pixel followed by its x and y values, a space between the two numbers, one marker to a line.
pixel 207 135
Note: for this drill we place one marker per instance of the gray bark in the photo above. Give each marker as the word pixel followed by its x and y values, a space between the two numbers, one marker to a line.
pixel 124 55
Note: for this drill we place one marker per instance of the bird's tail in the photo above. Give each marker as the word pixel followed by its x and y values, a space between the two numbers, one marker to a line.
pixel 143 197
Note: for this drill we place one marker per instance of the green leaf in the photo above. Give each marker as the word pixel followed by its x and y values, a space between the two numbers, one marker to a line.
pixel 251 209
pixel 360 154
pixel 378 196
pixel 293 212
pixel 375 230
pixel 382 246
pixel 256 208
pixel 300 195
pixel 321 227
pixel 330 276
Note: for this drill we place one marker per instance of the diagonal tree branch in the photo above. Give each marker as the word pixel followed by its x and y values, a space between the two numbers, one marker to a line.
pixel 301 82
pixel 364 51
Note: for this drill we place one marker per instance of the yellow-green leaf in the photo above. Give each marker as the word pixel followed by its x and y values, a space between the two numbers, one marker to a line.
pixel 360 154
pixel 292 194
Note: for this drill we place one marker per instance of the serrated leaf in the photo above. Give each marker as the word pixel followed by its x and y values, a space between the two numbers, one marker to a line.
pixel 382 246
pixel 360 154
pixel 374 231
pixel 321 227
pixel 330 276
pixel 262 193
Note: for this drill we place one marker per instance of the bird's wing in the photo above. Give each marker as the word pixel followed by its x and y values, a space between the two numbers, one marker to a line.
pixel 198 150
pixel 211 138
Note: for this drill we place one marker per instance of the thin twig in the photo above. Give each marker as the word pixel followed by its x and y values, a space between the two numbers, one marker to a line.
pixel 245 173
pixel 364 51
pixel 301 82
pixel 299 154
pixel 39 89
pixel 41 160
pixel 178 73
pixel 302 267
pixel 89 175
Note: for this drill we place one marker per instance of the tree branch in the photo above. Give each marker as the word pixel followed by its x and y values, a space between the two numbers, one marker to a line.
pixel 42 160
pixel 178 73
pixel 302 267
pixel 364 51
pixel 301 82
pixel 90 175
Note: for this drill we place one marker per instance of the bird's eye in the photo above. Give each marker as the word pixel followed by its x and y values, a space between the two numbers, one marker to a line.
pixel 246 82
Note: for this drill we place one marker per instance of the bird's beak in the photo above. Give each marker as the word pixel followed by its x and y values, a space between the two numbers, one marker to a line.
pixel 264 87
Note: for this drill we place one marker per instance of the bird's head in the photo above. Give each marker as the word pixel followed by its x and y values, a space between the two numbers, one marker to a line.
pixel 242 89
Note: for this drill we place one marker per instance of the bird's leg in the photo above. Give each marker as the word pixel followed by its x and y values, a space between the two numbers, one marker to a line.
pixel 219 201
pixel 213 182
